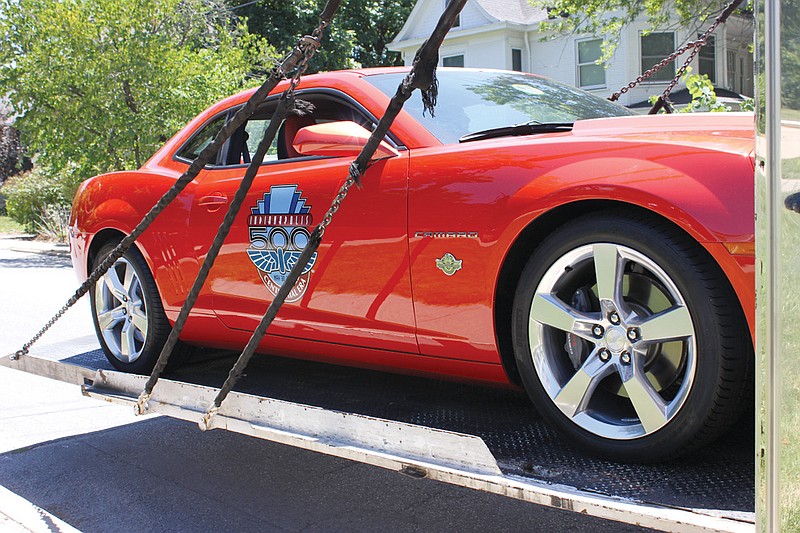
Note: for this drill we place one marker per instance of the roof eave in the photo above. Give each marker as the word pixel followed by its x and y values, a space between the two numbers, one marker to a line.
pixel 400 45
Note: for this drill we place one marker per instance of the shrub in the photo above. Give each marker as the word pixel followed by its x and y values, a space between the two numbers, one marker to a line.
pixel 53 223
pixel 34 197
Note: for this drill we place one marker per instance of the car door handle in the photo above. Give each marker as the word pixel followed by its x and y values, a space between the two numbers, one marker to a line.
pixel 213 201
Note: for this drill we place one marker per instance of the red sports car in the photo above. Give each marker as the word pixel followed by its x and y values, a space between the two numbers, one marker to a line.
pixel 530 234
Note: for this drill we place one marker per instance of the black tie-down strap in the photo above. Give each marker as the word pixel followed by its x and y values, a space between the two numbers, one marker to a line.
pixel 422 77
pixel 295 62
pixel 286 102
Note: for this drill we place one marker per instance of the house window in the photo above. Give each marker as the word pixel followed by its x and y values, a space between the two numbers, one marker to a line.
pixel 457 23
pixel 655 47
pixel 453 61
pixel 516 59
pixel 708 60
pixel 590 73
pixel 742 79
pixel 731 70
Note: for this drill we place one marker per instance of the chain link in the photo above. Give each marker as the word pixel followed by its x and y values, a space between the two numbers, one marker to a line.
pixel 695 46
pixel 352 177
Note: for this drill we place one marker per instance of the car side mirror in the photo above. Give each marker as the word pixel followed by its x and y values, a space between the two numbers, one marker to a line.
pixel 343 139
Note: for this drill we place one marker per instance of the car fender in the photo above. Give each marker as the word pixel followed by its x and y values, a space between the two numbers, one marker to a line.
pixel 710 207
pixel 720 221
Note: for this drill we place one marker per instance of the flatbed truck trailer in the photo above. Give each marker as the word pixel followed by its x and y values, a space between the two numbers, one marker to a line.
pixel 482 438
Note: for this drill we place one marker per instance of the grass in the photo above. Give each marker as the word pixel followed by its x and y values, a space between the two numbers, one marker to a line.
pixel 790 114
pixel 787 379
pixel 8 226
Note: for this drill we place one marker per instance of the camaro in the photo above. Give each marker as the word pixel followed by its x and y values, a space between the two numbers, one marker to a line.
pixel 527 235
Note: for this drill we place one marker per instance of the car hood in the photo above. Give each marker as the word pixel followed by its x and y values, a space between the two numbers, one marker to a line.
pixel 721 131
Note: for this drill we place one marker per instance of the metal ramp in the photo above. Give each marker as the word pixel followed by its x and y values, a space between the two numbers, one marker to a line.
pixel 485 439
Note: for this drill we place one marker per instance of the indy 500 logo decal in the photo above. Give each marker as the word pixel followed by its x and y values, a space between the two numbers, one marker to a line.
pixel 278 233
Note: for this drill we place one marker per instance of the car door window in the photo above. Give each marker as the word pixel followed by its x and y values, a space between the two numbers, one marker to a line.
pixel 203 138
pixel 324 108
pixel 245 141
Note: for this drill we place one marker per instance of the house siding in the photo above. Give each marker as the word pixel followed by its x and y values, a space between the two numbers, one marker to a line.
pixel 486 50
pixel 471 17
pixel 487 43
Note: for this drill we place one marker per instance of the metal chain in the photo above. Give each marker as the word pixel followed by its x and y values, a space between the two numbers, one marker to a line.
pixel 679 74
pixel 308 45
pixel 354 173
pixel 26 347
pixel 695 46
pixel 352 177
pixel 653 70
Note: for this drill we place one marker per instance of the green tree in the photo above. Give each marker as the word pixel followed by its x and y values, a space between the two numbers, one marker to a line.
pixel 358 36
pixel 98 85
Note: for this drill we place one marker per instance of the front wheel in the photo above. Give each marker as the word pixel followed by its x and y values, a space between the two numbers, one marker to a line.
pixel 629 339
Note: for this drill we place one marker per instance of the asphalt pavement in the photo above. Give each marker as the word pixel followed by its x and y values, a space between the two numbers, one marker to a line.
pixel 71 463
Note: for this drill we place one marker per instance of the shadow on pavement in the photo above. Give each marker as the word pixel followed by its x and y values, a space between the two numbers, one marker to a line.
pixel 37 261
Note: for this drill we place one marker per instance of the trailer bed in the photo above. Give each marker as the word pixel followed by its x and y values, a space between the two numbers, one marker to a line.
pixel 483 438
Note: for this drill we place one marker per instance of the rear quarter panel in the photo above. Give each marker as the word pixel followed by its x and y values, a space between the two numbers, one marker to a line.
pixel 117 202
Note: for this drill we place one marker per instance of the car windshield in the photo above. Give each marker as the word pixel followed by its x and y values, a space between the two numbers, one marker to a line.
pixel 472 101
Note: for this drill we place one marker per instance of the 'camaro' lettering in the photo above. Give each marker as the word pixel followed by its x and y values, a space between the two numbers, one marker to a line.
pixel 446 235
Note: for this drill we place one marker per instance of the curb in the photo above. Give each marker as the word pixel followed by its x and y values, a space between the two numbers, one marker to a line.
pixel 30 517
pixel 58 252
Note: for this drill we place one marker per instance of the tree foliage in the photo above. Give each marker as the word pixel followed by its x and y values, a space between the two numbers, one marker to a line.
pixel 358 36
pixel 100 84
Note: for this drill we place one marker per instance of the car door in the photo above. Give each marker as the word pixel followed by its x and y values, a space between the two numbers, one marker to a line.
pixel 356 289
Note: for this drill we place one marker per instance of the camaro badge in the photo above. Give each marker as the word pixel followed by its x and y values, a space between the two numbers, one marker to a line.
pixel 278 233
pixel 448 264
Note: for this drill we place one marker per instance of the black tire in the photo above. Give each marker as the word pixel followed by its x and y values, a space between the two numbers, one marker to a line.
pixel 129 321
pixel 662 285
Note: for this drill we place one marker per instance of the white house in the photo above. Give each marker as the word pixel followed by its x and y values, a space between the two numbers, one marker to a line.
pixel 505 34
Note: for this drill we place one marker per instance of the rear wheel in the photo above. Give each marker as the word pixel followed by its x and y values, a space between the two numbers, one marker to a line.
pixel 629 339
pixel 128 316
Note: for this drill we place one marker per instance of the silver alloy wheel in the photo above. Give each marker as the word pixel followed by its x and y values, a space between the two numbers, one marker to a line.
pixel 639 360
pixel 121 312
